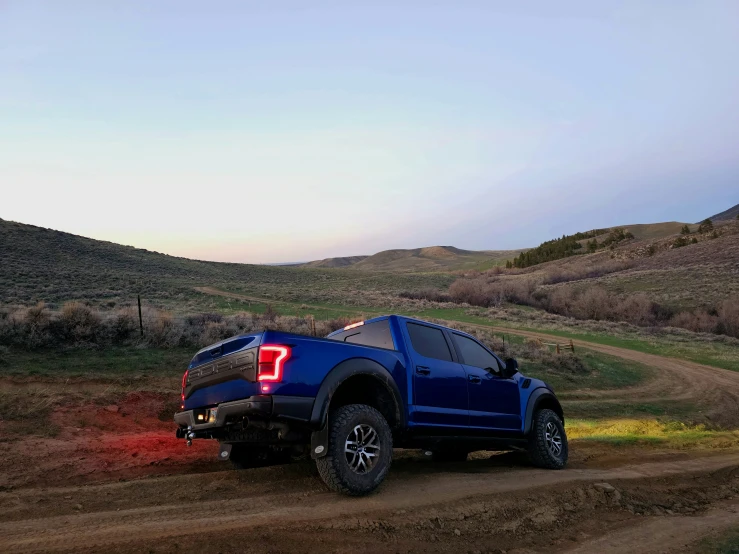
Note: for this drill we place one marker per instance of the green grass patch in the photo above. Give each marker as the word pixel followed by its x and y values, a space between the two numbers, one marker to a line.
pixel 679 411
pixel 107 362
pixel 604 372
pixel 674 434
pixel 725 543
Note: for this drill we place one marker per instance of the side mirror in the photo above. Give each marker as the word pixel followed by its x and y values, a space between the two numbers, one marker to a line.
pixel 511 367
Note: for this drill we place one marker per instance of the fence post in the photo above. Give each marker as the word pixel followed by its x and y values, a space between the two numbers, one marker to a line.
pixel 557 348
pixel 313 325
pixel 572 346
pixel 141 321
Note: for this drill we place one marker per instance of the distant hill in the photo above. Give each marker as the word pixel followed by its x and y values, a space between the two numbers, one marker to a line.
pixel 334 262
pixel 729 214
pixel 38 264
pixel 434 258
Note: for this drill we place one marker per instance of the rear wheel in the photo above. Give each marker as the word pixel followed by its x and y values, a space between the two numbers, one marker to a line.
pixel 360 450
pixel 548 441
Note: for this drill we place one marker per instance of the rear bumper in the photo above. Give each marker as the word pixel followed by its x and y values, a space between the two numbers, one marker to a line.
pixel 296 408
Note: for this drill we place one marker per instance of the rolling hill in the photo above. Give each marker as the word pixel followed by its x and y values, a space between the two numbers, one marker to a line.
pixel 434 258
pixel 344 261
pixel 39 264
pixel 727 215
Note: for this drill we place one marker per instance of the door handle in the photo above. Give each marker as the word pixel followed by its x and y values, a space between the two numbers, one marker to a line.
pixel 474 379
pixel 421 370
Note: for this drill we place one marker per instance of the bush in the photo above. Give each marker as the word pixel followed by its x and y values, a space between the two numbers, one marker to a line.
pixel 728 314
pixel 77 323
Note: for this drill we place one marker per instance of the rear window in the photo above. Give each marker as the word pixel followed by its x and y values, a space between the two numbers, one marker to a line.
pixel 375 334
pixel 429 342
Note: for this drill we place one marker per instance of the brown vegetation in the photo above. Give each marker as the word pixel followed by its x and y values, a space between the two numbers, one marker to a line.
pixel 79 325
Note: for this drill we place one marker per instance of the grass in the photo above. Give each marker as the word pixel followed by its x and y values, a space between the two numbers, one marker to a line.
pixel 673 434
pixel 725 543
pixel 667 409
pixel 121 362
pixel 604 373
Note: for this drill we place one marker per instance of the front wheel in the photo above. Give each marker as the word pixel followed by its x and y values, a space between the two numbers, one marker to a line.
pixel 548 441
pixel 360 450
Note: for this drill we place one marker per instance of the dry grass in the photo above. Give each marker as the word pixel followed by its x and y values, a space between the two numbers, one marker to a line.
pixel 695 287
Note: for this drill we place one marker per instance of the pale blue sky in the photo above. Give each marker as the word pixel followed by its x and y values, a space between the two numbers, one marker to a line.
pixel 272 131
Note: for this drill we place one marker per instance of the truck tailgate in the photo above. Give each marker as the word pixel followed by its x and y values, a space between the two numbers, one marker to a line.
pixel 221 372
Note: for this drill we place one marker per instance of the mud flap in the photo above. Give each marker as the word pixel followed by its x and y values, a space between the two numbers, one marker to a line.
pixel 319 442
pixel 225 451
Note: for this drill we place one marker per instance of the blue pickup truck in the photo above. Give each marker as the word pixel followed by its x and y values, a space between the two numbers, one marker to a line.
pixel 353 396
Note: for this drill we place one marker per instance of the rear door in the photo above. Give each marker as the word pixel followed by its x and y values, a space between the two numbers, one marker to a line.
pixel 439 382
pixel 493 400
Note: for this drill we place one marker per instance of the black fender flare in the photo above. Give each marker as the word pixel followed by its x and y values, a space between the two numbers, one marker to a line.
pixel 535 399
pixel 331 383
pixel 345 370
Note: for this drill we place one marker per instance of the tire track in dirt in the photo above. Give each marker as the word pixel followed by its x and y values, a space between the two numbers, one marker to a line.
pixel 666 534
pixel 712 388
pixel 106 530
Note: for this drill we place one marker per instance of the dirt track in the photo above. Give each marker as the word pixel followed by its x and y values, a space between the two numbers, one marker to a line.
pixel 663 501
pixel 419 508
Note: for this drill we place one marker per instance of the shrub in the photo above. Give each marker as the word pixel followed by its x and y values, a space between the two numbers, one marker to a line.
pixel 706 226
pixel 595 303
pixel 728 314
pixel 77 323
pixel 432 295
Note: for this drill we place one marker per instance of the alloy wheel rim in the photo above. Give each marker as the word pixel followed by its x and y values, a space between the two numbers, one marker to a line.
pixel 553 439
pixel 362 448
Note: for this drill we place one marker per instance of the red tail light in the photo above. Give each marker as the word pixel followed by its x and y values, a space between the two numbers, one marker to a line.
pixel 184 384
pixel 272 358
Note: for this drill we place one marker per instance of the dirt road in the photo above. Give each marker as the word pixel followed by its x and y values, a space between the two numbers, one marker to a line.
pixel 478 505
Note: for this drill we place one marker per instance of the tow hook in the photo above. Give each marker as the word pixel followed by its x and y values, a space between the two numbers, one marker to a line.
pixel 189 436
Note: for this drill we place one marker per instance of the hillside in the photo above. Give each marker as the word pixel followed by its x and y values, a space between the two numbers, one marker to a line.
pixel 434 258
pixel 344 261
pixel 731 213
pixel 52 266
pixel 651 231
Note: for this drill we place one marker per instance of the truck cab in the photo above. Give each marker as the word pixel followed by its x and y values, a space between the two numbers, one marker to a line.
pixel 350 398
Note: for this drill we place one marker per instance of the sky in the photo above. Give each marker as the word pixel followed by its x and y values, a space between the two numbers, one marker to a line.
pixel 290 131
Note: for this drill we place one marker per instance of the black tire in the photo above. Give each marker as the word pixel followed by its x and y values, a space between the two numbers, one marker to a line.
pixel 543 450
pixel 335 467
pixel 445 455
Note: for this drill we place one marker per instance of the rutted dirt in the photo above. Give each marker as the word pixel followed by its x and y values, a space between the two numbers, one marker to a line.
pixel 477 506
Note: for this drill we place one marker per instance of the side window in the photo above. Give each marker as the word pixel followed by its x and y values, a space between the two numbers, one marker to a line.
pixel 475 355
pixel 429 342
pixel 375 334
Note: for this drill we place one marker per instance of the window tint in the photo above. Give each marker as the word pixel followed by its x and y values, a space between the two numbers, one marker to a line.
pixel 429 342
pixel 475 355
pixel 375 334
